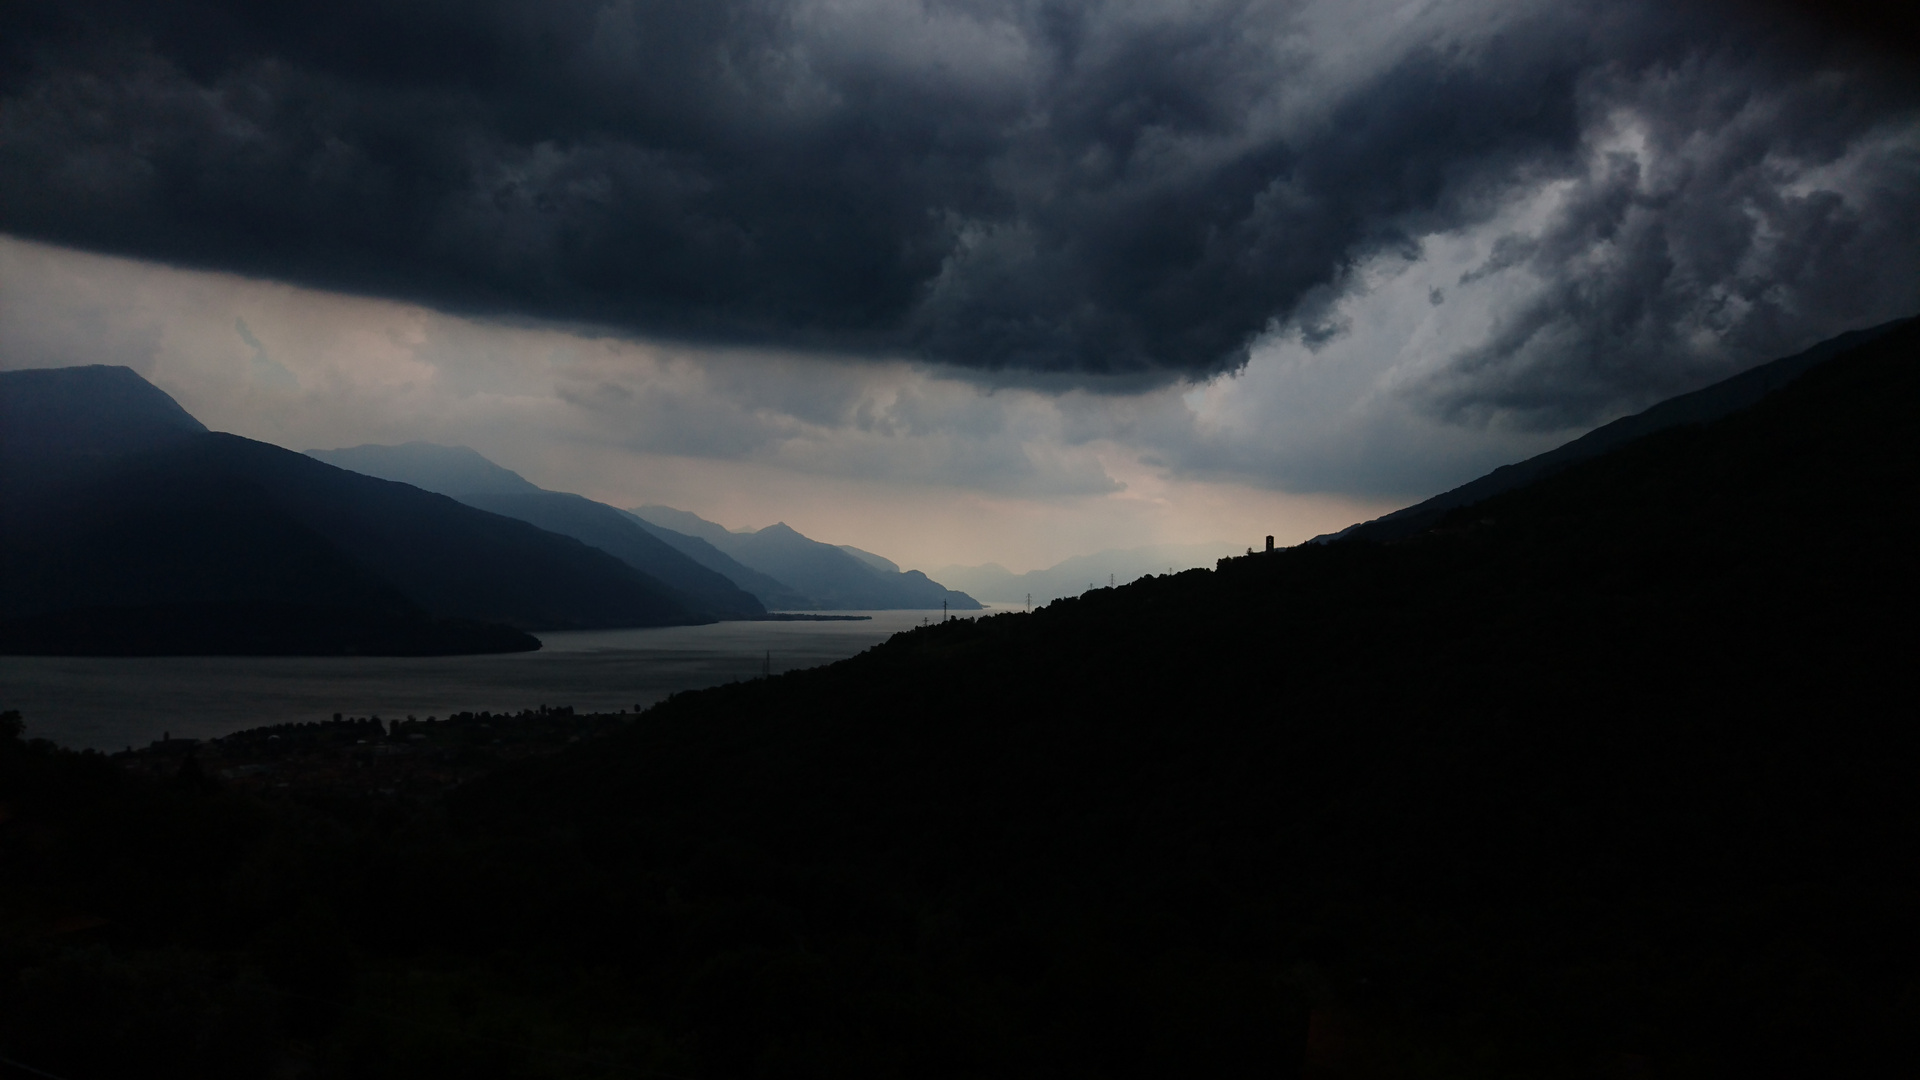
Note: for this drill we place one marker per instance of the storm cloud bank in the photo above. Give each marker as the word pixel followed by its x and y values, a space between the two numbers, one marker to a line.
pixel 1082 189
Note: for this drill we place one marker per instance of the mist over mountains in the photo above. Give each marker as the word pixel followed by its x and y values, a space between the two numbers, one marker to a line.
pixel 775 594
pixel 1071 577
pixel 835 578
pixel 131 528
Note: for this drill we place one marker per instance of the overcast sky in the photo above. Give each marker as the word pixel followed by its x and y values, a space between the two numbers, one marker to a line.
pixel 955 282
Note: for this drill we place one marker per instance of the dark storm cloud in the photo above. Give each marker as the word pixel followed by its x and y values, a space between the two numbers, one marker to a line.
pixel 1048 187
pixel 1726 229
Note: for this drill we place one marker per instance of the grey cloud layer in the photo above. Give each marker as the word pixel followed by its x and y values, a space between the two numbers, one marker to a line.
pixel 1724 221
pixel 1064 187
pixel 888 423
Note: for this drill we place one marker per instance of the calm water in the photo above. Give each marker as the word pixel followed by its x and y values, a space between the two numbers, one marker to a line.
pixel 110 703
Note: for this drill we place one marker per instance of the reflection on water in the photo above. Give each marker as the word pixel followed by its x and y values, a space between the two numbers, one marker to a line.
pixel 110 703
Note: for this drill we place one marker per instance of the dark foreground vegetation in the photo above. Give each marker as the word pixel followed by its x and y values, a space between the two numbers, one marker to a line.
pixel 1613 775
pixel 406 761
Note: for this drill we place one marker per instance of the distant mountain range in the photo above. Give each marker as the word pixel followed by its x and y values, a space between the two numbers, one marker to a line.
pixel 732 575
pixel 462 474
pixel 1080 573
pixel 834 578
pixel 132 529
pixel 776 595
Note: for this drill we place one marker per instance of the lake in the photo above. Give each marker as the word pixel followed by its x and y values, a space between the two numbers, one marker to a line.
pixel 109 703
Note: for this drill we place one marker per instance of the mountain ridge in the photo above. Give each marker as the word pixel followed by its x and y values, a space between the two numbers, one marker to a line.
pixel 119 501
pixel 1708 403
pixel 831 577
pixel 466 476
pixel 775 595
pixel 89 411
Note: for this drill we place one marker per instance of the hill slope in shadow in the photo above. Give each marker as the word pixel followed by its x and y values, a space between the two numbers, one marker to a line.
pixel 1609 773
pixel 1698 407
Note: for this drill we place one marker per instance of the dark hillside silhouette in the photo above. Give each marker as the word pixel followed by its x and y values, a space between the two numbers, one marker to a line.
pixel 1698 407
pixel 1612 770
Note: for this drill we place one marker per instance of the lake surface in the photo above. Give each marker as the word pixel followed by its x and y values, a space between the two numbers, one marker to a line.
pixel 109 703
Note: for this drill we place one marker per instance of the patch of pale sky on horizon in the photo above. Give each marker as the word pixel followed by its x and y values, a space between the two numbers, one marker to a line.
pixel 927 466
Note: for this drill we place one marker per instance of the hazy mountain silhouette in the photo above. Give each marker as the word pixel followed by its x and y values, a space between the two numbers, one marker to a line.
pixel 615 531
pixel 776 595
pixel 878 562
pixel 463 474
pixel 1071 577
pixel 686 524
pixel 1708 403
pixel 120 502
pixel 449 470
pixel 829 576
